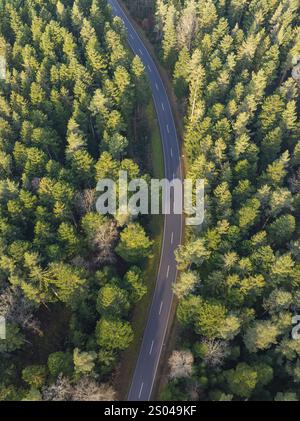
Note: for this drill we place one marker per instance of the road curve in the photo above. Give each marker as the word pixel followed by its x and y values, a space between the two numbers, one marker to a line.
pixel 158 318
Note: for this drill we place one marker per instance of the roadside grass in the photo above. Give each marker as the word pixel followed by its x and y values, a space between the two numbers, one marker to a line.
pixel 157 159
pixel 155 225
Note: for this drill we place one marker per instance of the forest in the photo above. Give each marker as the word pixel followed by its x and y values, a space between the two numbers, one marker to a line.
pixel 69 277
pixel 235 69
pixel 72 111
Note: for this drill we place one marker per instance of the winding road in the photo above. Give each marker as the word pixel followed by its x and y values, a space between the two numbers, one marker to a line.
pixel 159 314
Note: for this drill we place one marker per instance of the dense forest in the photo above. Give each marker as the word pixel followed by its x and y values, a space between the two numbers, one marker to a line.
pixel 69 277
pixel 234 67
pixel 71 104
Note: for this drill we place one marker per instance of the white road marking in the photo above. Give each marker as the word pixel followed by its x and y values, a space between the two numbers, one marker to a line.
pixel 141 389
pixel 168 270
pixel 172 237
pixel 160 308
pixel 141 52
pixel 156 85
pixel 162 106
pixel 151 348
pixel 171 153
pixel 131 36
pixel 149 68
pixel 168 129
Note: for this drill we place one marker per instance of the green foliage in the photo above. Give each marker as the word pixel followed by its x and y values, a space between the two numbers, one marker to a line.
pixel 112 301
pixel 208 318
pixel 174 390
pixel 244 379
pixel 68 111
pixel 185 284
pixel 8 393
pixel 83 362
pixel 282 229
pixel 134 282
pixel 113 335
pixel 286 397
pixel 34 375
pixel 60 363
pixel 134 243
pixel 14 339
pixel 33 395
pixel 237 93
pixel 261 336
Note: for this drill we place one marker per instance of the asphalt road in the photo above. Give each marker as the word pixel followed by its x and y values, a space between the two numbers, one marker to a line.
pixel 155 333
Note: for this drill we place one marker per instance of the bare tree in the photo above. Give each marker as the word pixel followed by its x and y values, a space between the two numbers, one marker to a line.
pixel 215 352
pixel 104 241
pixel 187 26
pixel 87 389
pixel 18 309
pixel 61 390
pixel 85 201
pixel 181 364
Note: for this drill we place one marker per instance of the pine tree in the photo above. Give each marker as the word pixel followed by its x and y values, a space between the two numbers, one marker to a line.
pixel 169 41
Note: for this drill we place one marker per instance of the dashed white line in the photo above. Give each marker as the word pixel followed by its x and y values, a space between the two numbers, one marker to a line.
pixel 150 352
pixel 162 106
pixel 168 128
pixel 168 270
pixel 131 36
pixel 160 308
pixel 141 52
pixel 172 237
pixel 171 153
pixel 150 70
pixel 156 85
pixel 141 389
